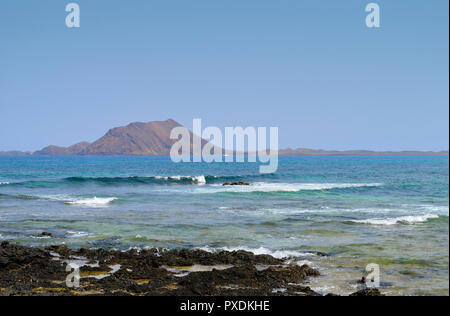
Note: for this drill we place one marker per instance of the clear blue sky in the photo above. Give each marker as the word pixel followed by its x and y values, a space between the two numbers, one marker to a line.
pixel 312 68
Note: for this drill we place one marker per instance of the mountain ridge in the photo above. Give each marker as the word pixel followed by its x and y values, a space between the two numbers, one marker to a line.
pixel 153 139
pixel 135 139
pixel 53 150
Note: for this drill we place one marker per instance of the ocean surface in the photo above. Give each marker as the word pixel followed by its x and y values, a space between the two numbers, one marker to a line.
pixel 388 210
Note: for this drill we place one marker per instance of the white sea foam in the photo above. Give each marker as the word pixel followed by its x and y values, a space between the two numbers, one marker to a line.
pixel 4 183
pixel 401 210
pixel 70 200
pixel 279 254
pixel 93 202
pixel 438 209
pixel 195 179
pixel 284 187
pixel 200 179
pixel 40 237
pixel 307 262
pixel 75 234
pixel 397 220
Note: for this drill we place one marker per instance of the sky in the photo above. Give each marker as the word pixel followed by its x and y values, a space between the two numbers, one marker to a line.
pixel 312 68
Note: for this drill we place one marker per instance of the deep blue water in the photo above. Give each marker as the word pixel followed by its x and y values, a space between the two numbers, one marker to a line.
pixel 390 210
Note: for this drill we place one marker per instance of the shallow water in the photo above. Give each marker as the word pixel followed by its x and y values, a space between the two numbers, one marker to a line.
pixel 392 211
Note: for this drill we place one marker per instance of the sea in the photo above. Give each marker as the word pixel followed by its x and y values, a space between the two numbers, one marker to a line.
pixel 392 211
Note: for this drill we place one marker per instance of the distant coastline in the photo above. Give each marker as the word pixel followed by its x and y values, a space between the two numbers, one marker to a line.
pixel 153 139
pixel 283 152
pixel 320 152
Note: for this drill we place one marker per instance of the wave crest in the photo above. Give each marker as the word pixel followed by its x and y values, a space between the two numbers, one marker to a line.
pixel 201 179
pixel 93 202
pixel 70 200
pixel 287 187
pixel 397 220
pixel 279 254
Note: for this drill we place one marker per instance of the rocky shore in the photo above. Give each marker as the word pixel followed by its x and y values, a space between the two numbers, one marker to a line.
pixel 33 271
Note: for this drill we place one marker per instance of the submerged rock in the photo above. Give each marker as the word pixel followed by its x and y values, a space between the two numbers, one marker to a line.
pixel 45 234
pixel 235 183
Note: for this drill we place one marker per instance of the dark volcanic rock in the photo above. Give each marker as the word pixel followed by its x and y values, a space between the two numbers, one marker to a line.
pixel 245 279
pixel 23 270
pixel 34 271
pixel 15 256
pixel 367 292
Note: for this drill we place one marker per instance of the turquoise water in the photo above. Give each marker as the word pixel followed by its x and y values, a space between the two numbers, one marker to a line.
pixel 393 211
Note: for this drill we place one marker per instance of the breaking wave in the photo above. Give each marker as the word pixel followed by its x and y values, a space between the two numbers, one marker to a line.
pixel 77 234
pixel 201 179
pixel 137 180
pixel 286 187
pixel 397 220
pixel 95 201
pixel 69 200
pixel 279 254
